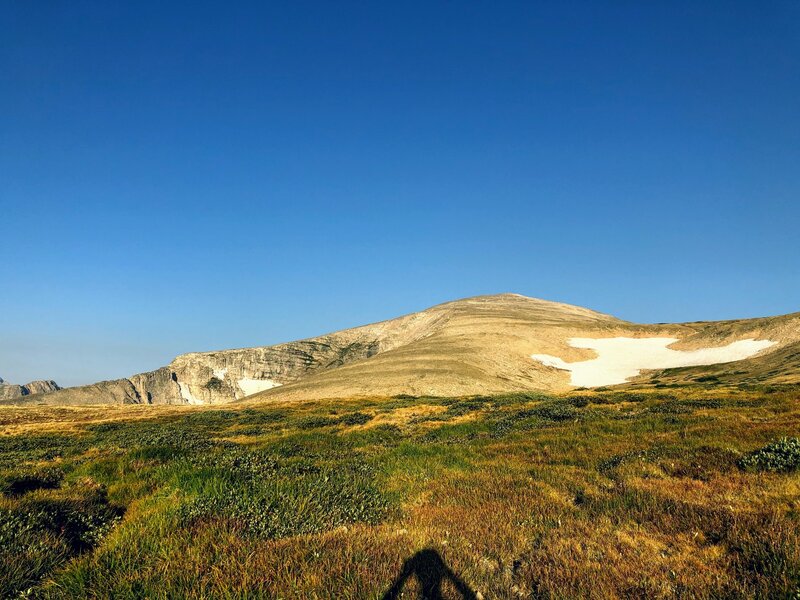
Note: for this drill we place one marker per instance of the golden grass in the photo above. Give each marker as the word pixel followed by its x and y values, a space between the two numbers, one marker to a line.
pixel 635 496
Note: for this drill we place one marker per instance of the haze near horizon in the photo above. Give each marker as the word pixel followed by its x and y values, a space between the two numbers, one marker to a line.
pixel 187 178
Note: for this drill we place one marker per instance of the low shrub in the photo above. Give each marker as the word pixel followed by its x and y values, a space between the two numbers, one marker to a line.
pixel 316 421
pixel 20 482
pixel 356 418
pixel 210 419
pixel 385 435
pixel 782 455
pixel 38 535
pixel 18 449
pixel 578 401
pixel 281 503
pixel 174 437
pixel 251 416
pixel 630 397
pixel 558 410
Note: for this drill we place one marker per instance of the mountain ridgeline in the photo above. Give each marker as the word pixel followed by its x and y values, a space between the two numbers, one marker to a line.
pixel 12 391
pixel 478 345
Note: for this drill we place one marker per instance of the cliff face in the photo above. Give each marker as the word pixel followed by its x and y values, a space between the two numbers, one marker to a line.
pixel 11 391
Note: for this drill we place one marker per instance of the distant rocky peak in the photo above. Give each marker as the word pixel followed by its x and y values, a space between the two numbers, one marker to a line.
pixel 10 391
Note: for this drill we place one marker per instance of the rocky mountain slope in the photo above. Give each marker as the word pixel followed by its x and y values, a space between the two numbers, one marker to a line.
pixel 11 391
pixel 478 345
pixel 486 344
pixel 226 375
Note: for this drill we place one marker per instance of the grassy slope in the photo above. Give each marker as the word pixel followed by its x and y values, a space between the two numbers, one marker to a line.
pixel 780 367
pixel 612 495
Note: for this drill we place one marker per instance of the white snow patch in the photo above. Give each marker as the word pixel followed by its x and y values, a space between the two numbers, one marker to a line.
pixel 620 358
pixel 187 395
pixel 220 373
pixel 253 386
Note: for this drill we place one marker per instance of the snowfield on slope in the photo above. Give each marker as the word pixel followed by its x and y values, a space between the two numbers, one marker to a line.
pixel 621 358
pixel 253 386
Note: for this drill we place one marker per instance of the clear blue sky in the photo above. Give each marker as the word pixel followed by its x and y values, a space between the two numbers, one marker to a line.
pixel 193 176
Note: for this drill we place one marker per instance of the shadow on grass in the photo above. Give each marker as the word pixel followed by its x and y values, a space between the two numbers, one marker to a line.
pixel 430 571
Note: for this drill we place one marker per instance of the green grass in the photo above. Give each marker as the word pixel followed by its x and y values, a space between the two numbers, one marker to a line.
pixel 694 493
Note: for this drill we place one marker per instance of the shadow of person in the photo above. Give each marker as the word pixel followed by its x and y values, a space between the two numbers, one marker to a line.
pixel 430 571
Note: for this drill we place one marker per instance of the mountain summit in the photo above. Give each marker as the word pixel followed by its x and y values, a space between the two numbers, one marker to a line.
pixel 480 345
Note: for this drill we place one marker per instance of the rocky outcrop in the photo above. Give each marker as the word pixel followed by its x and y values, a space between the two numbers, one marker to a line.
pixel 10 391
pixel 117 391
pixel 227 375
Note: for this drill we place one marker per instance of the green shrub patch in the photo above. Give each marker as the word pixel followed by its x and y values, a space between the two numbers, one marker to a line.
pixel 782 455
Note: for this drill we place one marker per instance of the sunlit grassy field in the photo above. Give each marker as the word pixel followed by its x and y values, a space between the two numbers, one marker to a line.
pixel 671 493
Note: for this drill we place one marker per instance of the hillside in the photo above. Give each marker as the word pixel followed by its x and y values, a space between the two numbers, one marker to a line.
pixel 486 344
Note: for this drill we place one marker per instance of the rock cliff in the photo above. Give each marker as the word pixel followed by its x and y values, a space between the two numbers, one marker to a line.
pixel 11 391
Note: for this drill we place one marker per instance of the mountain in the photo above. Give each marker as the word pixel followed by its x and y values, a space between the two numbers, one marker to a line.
pixel 486 344
pixel 11 391
pixel 504 343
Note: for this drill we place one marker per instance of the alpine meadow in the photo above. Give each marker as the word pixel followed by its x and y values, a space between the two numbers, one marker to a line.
pixel 400 301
